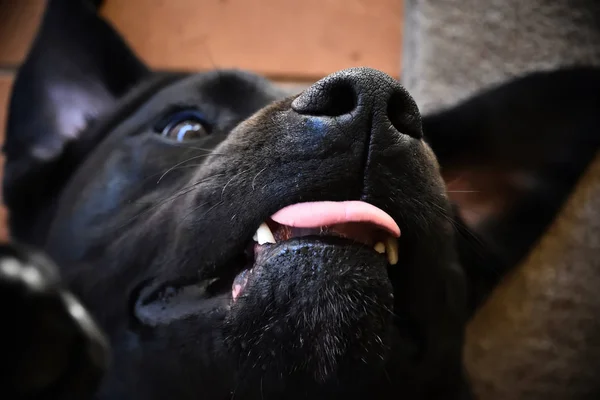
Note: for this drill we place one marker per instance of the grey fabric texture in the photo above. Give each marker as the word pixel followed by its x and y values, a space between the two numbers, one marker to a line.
pixel 538 336
pixel 453 48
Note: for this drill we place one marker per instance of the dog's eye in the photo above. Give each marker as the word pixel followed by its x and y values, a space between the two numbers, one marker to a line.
pixel 185 130
pixel 183 126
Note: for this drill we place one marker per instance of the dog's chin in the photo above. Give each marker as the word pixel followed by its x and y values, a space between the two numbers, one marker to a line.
pixel 312 310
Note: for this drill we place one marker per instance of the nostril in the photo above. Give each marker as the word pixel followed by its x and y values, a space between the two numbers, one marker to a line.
pixel 402 112
pixel 330 99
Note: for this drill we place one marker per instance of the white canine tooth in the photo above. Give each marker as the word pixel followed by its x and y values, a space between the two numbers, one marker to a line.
pixel 380 247
pixel 264 235
pixel 391 248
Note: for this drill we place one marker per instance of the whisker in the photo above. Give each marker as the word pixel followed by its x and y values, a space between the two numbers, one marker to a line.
pixel 190 147
pixel 152 176
pixel 456 179
pixel 200 206
pixel 208 54
pixel 179 164
pixel 477 244
pixel 229 181
pixel 173 197
pixel 256 176
pixel 387 375
pixel 146 179
pixel 458 227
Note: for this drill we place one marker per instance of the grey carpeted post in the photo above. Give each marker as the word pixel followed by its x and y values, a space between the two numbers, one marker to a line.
pixel 538 336
pixel 453 48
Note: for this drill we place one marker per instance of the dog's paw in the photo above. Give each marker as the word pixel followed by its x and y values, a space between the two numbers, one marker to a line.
pixel 51 348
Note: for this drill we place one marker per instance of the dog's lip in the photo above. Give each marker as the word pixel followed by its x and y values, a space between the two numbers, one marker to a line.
pixel 161 302
pixel 158 302
pixel 264 251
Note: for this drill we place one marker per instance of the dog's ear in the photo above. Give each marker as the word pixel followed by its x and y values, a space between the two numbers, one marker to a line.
pixel 77 67
pixel 511 156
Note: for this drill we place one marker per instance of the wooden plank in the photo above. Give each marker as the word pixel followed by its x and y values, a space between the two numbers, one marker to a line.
pixel 279 38
pixel 19 21
pixel 309 38
pixel 6 80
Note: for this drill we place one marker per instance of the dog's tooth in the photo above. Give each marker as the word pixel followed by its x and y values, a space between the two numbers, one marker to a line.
pixel 264 235
pixel 391 248
pixel 380 247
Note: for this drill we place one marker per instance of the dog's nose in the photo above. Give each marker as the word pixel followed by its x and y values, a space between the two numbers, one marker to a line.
pixel 364 93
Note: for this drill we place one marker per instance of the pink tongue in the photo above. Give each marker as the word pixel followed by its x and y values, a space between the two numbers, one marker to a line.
pixel 323 213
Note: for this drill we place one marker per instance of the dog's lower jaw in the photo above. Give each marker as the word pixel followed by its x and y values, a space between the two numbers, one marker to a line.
pixel 307 327
pixel 313 310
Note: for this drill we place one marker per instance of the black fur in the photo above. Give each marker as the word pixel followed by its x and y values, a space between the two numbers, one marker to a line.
pixel 538 132
pixel 149 232
pixel 51 348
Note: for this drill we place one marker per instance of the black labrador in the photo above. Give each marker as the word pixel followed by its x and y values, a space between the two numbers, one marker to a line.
pixel 233 241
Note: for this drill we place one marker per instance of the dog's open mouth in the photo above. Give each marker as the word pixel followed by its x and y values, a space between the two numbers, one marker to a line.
pixel 355 221
pixel 348 223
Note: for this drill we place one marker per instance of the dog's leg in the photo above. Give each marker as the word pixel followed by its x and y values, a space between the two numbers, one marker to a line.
pixel 51 348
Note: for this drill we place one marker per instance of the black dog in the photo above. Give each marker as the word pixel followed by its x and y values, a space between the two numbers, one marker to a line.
pixel 233 241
